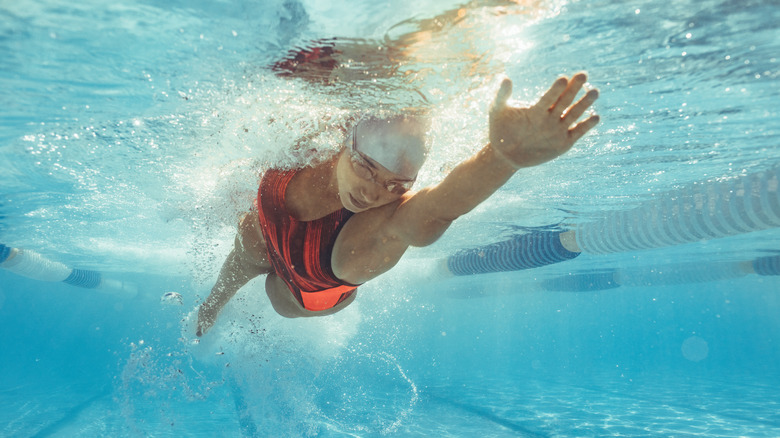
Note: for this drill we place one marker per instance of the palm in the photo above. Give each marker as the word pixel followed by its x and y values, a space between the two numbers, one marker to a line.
pixel 531 136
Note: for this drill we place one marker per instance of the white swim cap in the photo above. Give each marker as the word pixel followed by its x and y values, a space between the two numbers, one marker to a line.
pixel 396 142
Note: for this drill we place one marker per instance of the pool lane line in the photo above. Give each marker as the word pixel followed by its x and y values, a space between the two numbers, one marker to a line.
pixel 30 264
pixel 70 416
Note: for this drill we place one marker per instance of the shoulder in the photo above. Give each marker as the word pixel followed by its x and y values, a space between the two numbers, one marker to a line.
pixel 371 227
pixel 275 174
pixel 396 221
pixel 413 219
pixel 274 182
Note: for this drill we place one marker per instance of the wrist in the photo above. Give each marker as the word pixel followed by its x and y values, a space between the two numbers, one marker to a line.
pixel 501 159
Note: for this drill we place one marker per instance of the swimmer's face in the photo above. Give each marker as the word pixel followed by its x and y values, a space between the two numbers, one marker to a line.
pixel 365 183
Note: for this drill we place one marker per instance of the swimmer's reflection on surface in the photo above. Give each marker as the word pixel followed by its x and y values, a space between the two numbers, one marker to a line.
pixel 447 38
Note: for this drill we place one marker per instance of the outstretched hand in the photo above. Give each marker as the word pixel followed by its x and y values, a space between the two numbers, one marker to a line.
pixel 527 137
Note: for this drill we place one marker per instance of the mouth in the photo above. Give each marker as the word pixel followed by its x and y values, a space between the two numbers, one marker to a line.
pixel 358 204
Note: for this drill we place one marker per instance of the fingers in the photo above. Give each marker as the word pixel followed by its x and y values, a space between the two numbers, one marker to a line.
pixel 574 113
pixel 504 92
pixel 204 323
pixel 552 95
pixel 557 101
pixel 581 128
pixel 567 97
pixel 203 328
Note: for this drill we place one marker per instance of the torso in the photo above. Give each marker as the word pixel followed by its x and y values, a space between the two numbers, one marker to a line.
pixel 308 196
pixel 365 247
pixel 300 250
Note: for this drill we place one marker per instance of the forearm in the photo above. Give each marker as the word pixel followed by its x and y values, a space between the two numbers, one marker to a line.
pixel 468 185
pixel 525 137
pixel 221 293
pixel 231 279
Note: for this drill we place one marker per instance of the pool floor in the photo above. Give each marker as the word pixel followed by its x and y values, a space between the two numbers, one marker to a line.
pixel 651 406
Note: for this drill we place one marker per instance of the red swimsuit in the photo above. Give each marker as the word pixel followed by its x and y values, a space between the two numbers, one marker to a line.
pixel 300 251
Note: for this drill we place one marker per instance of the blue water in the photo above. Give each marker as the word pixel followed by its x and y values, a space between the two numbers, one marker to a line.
pixel 131 136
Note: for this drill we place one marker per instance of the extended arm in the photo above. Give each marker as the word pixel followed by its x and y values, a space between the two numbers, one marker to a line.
pixel 519 137
pixel 246 261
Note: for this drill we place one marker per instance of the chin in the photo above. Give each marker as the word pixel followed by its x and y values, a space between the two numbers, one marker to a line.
pixel 356 209
pixel 346 203
pixel 352 208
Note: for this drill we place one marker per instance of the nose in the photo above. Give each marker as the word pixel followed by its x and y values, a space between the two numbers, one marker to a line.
pixel 370 194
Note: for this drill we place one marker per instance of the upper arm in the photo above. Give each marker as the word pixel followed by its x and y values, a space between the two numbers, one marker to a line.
pixel 416 221
pixel 373 241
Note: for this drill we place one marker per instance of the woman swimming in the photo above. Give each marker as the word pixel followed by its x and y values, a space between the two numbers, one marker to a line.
pixel 320 231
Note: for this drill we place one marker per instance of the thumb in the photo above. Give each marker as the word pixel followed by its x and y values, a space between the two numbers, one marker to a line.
pixel 504 92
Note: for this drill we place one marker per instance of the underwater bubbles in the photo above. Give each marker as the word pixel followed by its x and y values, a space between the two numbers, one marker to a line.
pixel 171 299
pixel 366 393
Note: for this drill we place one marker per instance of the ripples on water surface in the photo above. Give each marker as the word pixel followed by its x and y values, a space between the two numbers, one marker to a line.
pixel 118 117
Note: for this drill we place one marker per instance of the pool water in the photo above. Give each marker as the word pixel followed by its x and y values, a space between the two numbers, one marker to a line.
pixel 131 137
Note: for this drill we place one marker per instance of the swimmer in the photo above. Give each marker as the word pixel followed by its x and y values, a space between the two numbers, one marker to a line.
pixel 321 231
